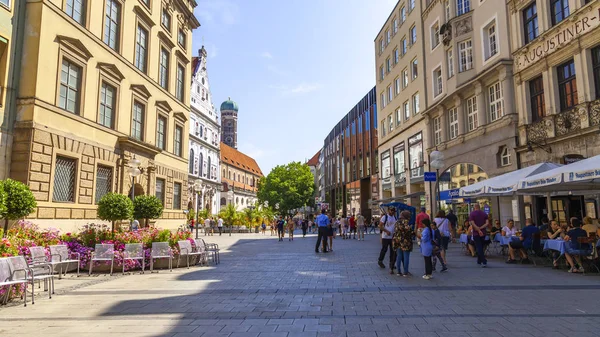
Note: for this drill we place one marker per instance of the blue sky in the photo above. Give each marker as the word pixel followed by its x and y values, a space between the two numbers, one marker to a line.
pixel 295 68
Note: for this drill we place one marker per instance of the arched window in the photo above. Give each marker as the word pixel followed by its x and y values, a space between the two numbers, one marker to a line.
pixel 200 162
pixel 229 175
pixel 224 173
pixel 191 159
pixel 209 168
pixel 237 201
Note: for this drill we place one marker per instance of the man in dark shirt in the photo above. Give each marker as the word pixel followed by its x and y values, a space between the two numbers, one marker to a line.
pixel 478 220
pixel 525 242
pixel 453 222
pixel 280 225
pixel 575 249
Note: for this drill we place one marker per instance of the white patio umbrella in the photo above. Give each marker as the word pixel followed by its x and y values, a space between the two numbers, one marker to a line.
pixel 583 175
pixel 505 184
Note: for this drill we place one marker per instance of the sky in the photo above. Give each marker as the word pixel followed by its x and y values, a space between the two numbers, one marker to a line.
pixel 295 68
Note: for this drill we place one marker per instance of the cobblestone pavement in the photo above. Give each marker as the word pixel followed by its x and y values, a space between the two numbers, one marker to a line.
pixel 267 288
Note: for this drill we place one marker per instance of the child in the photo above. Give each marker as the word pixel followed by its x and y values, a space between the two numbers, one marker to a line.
pixel 436 240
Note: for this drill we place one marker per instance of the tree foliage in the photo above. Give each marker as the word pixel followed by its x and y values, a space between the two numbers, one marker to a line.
pixel 115 207
pixel 291 186
pixel 147 207
pixel 16 201
pixel 229 214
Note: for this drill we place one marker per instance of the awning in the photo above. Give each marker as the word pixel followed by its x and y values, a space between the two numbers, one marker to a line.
pixel 396 198
pixel 583 175
pixel 505 184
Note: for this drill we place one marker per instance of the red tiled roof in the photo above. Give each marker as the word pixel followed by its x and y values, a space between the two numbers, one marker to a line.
pixel 234 157
pixel 314 160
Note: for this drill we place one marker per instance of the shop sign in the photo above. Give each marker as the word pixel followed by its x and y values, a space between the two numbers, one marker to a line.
pixel 584 175
pixel 568 32
pixel 572 158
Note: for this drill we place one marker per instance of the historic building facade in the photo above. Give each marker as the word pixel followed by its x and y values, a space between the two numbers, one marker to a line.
pixel 239 176
pixel 204 175
pixel 12 23
pixel 399 56
pixel 98 91
pixel 229 119
pixel 471 112
pixel 556 48
pixel 350 160
pixel 313 165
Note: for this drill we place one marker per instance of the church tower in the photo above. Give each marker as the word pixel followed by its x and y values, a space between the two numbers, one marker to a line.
pixel 229 117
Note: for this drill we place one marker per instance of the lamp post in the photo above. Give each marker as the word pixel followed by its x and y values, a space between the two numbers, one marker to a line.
pixel 197 188
pixel 436 160
pixel 230 195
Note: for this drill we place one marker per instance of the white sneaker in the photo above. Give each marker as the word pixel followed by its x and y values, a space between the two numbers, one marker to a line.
pixel 427 277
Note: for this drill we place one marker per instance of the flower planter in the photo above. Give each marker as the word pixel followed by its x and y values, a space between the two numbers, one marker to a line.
pixel 104 267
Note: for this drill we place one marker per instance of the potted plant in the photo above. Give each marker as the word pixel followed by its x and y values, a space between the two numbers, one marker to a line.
pixel 115 207
pixel 147 207
pixel 16 201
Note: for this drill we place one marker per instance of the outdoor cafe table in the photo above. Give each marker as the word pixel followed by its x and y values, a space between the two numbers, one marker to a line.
pixel 503 240
pixel 464 238
pixel 557 245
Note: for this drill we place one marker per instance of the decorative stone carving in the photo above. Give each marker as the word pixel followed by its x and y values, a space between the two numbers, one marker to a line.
pixel 538 132
pixel 594 111
pixel 463 26
pixel 568 121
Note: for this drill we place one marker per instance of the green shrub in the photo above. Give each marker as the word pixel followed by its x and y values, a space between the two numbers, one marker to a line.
pixel 17 201
pixel 147 207
pixel 115 207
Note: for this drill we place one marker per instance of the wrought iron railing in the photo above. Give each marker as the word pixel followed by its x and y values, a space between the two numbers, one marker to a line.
pixel 579 117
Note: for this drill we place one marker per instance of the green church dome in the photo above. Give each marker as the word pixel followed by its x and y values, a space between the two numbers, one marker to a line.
pixel 229 105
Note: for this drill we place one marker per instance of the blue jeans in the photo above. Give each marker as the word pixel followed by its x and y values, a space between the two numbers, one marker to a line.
pixel 402 257
pixel 479 242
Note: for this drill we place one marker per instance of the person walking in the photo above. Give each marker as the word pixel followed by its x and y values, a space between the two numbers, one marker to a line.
pixel 291 227
pixel 304 227
pixel 322 222
pixel 207 228
pixel 372 223
pixel 280 226
pixel 436 240
pixel 360 222
pixel 479 222
pixel 445 230
pixel 352 223
pixel 427 248
pixel 453 222
pixel 420 217
pixel 403 243
pixel 386 227
pixel 220 226
pixel 263 228
pixel 330 235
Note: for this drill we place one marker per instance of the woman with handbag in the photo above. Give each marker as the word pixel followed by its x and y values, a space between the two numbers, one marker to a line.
pixel 445 228
pixel 427 248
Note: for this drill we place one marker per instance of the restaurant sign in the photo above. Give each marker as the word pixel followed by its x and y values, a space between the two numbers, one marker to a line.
pixel 555 40
pixel 584 175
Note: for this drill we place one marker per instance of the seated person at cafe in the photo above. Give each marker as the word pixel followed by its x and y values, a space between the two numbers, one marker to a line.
pixel 589 226
pixel 497 228
pixel 510 229
pixel 471 243
pixel 555 232
pixel 462 229
pixel 573 248
pixel 545 224
pixel 525 242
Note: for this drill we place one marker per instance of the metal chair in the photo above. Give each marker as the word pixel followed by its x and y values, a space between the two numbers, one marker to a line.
pixel 103 252
pixel 60 255
pixel 6 280
pixel 161 250
pixel 23 273
pixel 589 258
pixel 134 252
pixel 212 248
pixel 185 248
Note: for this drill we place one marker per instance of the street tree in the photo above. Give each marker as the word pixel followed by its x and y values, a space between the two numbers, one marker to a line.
pixel 16 201
pixel 290 186
pixel 115 207
pixel 147 207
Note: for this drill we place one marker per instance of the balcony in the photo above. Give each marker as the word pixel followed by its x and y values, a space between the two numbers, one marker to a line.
pixel 417 173
pixel 400 179
pixel 565 123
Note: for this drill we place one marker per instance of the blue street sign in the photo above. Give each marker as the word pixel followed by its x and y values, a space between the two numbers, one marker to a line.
pixel 449 194
pixel 429 176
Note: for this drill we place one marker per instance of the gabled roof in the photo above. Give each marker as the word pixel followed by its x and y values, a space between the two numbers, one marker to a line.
pixel 234 157
pixel 314 160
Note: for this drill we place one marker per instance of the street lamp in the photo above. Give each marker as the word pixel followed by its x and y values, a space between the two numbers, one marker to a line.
pixel 230 195
pixel 197 188
pixel 436 160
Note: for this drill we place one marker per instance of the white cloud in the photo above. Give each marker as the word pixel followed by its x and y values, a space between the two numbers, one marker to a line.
pixel 304 88
pixel 223 11
pixel 266 55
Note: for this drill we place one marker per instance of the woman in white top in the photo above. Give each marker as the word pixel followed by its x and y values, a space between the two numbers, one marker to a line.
pixel 509 230
pixel 445 229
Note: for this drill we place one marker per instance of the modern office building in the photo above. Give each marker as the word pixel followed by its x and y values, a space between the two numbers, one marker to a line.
pixel 12 29
pixel 556 49
pixel 229 119
pixel 471 109
pixel 204 182
pixel 239 176
pixel 350 160
pixel 104 88
pixel 402 97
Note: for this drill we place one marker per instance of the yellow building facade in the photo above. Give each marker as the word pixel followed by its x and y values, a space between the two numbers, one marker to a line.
pixel 103 82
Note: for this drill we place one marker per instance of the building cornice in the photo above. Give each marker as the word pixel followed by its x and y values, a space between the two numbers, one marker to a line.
pixel 203 142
